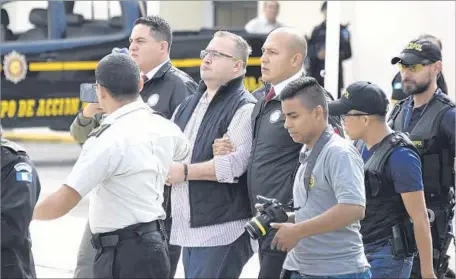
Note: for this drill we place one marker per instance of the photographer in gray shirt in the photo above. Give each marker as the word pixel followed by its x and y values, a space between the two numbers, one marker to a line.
pixel 328 193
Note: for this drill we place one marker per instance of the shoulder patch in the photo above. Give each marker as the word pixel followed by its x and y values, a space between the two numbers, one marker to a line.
pixel 23 167
pixel 23 172
pixel 98 131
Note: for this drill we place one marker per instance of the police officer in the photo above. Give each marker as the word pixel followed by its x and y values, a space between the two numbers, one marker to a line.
pixel 317 51
pixel 393 181
pixel 398 94
pixel 274 157
pixel 127 164
pixel 165 87
pixel 428 116
pixel 20 192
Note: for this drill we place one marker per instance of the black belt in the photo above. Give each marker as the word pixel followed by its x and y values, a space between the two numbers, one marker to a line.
pixel 109 239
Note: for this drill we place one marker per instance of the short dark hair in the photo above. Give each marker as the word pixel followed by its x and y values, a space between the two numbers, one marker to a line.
pixel 159 28
pixel 120 75
pixel 310 92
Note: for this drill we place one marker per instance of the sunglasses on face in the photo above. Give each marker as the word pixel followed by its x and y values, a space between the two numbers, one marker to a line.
pixel 412 68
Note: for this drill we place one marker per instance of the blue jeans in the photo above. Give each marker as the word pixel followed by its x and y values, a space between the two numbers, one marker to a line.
pixel 360 275
pixel 384 264
pixel 218 261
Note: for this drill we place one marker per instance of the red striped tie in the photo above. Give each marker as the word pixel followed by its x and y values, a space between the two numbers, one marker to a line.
pixel 270 95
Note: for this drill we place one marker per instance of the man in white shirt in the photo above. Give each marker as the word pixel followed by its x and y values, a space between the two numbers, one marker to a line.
pixel 126 163
pixel 266 23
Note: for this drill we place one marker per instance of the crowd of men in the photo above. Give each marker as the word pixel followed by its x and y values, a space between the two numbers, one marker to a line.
pixel 174 167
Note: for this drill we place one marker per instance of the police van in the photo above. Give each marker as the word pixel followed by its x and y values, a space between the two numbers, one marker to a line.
pixel 49 48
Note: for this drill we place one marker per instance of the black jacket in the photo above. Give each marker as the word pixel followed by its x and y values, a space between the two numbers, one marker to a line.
pixel 167 89
pixel 20 192
pixel 212 202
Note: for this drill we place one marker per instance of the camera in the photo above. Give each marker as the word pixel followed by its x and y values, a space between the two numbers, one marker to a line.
pixel 269 211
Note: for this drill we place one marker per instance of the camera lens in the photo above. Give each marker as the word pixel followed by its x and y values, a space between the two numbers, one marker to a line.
pixel 255 227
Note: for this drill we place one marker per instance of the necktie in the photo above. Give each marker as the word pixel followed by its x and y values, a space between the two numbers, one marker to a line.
pixel 145 78
pixel 270 95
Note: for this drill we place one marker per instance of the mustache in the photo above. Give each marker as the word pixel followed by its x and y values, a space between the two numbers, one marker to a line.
pixel 408 80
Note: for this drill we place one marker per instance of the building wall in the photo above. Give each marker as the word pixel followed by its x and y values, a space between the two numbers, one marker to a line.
pixel 380 29
pixel 183 15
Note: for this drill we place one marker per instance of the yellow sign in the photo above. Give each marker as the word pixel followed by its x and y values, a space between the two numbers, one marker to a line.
pixel 15 67
pixel 51 107
pixel 252 83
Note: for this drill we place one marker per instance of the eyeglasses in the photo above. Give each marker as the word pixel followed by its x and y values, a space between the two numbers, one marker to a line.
pixel 216 54
pixel 412 68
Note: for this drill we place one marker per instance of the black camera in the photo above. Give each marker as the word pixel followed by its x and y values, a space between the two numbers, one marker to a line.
pixel 269 211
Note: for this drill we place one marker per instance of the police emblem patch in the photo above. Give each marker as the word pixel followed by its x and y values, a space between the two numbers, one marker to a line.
pixel 153 100
pixel 15 67
pixel 275 115
pixel 23 172
pixel 311 181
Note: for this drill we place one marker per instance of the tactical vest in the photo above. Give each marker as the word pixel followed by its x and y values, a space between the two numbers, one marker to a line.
pixel 384 206
pixel 436 157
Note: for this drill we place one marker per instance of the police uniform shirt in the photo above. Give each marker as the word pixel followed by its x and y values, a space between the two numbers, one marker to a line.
pixel 127 164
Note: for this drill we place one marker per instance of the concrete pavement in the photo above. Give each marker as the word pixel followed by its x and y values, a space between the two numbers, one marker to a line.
pixel 55 243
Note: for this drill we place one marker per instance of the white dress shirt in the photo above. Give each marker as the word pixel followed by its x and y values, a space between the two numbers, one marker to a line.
pixel 127 165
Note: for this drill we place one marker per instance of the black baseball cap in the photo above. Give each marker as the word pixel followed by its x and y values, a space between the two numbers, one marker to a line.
pixel 419 52
pixel 362 96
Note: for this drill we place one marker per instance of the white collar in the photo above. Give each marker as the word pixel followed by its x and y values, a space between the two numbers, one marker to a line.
pixel 152 73
pixel 278 88
pixel 135 105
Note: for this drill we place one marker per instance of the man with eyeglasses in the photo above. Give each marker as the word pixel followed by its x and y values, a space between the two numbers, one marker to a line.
pixel 428 116
pixel 393 182
pixel 165 87
pixel 209 198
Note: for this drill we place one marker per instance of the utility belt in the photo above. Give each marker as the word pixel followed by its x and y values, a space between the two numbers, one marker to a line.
pixel 403 242
pixel 111 239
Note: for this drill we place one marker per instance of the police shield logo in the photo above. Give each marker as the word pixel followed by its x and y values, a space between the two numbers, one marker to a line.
pixel 153 100
pixel 275 115
pixel 15 67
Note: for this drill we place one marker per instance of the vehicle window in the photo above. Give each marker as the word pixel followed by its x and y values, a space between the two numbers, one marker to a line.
pixel 93 18
pixel 24 21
